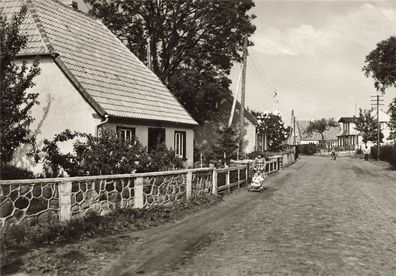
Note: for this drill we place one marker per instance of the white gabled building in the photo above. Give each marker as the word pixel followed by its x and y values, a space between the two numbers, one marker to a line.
pixel 90 81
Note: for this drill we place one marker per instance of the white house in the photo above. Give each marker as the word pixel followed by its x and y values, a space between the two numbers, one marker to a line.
pixel 350 139
pixel 90 81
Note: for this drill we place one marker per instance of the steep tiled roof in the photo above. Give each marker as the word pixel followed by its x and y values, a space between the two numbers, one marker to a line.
pixel 330 134
pixel 110 75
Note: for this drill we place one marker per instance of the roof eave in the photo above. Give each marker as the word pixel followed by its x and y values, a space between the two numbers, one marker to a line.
pixel 79 86
pixel 152 121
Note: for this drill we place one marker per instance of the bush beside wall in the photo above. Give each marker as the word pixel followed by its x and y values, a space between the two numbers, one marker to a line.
pixel 387 153
pixel 308 149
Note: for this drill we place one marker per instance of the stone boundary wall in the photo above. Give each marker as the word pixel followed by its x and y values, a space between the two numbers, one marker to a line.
pixel 53 200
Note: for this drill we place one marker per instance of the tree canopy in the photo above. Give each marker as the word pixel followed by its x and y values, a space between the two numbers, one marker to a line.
pixel 273 126
pixel 193 44
pixel 16 102
pixel 392 120
pixel 381 64
pixel 367 125
pixel 320 126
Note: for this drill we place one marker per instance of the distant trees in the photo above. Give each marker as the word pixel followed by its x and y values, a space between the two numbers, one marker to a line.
pixel 15 101
pixel 273 126
pixel 320 126
pixel 367 125
pixel 193 43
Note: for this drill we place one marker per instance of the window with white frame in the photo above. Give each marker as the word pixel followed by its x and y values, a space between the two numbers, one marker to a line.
pixel 125 134
pixel 180 144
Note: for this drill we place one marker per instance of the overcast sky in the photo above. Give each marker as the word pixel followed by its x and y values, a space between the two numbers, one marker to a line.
pixel 312 52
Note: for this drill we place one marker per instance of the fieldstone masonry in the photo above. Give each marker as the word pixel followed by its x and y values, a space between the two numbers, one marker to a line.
pixel 201 183
pixel 48 201
pixel 29 203
pixel 164 190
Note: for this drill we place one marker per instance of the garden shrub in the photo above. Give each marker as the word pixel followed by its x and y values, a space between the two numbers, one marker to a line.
pixel 12 172
pixel 387 153
pixel 307 149
pixel 104 155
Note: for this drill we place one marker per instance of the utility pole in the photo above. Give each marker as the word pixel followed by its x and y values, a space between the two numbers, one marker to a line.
pixel 291 127
pixel 149 62
pixel 294 128
pixel 242 112
pixel 377 101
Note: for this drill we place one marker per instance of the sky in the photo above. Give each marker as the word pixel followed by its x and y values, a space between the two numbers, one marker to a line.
pixel 312 53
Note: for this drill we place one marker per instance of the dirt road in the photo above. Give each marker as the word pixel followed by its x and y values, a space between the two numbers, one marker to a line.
pixel 318 217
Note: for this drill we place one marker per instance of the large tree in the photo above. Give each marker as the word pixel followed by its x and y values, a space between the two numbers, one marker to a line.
pixel 193 43
pixel 320 126
pixel 381 64
pixel 367 125
pixel 16 101
pixel 273 126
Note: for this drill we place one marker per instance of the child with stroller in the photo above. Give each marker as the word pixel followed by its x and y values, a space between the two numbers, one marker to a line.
pixel 257 183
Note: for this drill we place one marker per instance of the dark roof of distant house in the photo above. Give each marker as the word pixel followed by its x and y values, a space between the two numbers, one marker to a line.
pixel 330 134
pixel 347 120
pixel 110 77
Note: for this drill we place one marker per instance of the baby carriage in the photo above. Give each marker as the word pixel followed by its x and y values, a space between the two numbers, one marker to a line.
pixel 257 183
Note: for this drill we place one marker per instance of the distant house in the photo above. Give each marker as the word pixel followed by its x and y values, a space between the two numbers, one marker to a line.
pixel 330 136
pixel 90 81
pixel 206 133
pixel 350 139
pixel 385 129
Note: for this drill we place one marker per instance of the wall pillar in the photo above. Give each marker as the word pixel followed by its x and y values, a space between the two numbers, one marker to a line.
pixel 228 181
pixel 189 185
pixel 214 182
pixel 65 189
pixel 139 197
pixel 239 177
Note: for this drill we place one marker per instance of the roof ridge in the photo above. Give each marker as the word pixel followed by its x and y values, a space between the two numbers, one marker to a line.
pixel 39 26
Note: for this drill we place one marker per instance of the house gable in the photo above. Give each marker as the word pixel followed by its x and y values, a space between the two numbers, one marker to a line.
pixel 105 72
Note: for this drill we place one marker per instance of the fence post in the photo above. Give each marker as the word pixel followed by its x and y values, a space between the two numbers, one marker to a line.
pixel 189 185
pixel 139 202
pixel 65 189
pixel 228 181
pixel 214 182
pixel 247 174
pixel 239 178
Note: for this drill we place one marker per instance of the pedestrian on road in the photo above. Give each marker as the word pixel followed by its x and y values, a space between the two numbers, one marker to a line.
pixel 366 152
pixel 333 154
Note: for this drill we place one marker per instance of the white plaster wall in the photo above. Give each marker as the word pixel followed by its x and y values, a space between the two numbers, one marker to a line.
pixel 60 107
pixel 141 133
pixel 250 137
pixel 170 143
